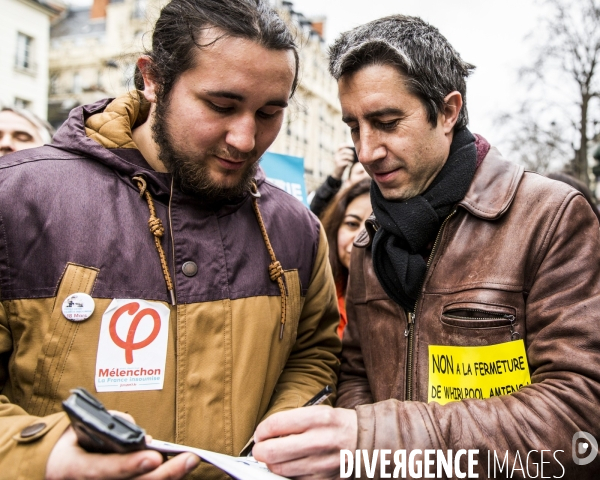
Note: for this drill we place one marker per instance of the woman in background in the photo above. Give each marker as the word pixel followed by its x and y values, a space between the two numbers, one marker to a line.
pixel 342 220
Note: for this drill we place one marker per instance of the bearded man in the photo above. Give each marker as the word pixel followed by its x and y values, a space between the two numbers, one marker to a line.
pixel 145 258
pixel 472 345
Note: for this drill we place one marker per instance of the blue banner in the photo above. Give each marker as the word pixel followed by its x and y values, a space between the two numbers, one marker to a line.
pixel 286 172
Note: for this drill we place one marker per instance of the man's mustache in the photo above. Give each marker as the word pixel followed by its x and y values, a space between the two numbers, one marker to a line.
pixel 233 154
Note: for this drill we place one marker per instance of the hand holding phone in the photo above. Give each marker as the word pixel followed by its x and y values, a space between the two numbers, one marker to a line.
pixel 98 430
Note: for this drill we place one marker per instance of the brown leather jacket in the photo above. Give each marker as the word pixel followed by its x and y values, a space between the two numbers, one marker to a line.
pixel 517 244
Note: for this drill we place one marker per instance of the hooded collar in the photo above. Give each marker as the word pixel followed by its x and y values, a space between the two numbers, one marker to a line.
pixel 113 127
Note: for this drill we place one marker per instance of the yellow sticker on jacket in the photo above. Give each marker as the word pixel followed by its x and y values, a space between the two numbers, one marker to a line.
pixel 458 373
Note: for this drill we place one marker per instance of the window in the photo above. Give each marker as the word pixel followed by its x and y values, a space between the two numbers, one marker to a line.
pixel 22 104
pixel 128 74
pixel 53 83
pixel 24 57
pixel 77 83
pixel 139 8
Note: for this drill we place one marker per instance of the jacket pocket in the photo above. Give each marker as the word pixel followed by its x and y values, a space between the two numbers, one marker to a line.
pixel 481 316
pixel 58 340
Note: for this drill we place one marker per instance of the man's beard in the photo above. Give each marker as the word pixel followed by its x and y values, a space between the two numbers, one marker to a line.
pixel 191 173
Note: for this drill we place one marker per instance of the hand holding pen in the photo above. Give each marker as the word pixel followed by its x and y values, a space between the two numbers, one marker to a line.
pixel 316 400
pixel 306 441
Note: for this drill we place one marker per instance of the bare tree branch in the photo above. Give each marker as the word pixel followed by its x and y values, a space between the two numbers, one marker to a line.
pixel 548 128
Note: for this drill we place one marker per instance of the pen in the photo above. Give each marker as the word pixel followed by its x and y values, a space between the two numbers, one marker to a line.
pixel 316 400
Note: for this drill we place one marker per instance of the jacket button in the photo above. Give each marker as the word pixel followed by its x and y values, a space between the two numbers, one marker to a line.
pixel 189 269
pixel 32 430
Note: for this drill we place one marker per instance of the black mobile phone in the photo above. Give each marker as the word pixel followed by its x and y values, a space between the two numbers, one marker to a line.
pixel 355 154
pixel 98 430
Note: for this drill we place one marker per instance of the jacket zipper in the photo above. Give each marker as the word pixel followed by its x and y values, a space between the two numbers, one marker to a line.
pixel 174 295
pixel 511 318
pixel 411 317
pixel 513 321
pixel 409 332
pixel 491 316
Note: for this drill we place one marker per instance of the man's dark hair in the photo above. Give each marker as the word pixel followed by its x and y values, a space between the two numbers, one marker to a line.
pixel 431 67
pixel 177 32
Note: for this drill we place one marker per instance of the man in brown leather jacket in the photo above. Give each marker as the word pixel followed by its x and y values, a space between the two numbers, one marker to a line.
pixel 144 257
pixel 474 294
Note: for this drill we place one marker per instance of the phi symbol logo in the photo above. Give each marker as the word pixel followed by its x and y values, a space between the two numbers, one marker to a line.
pixel 129 344
pixel 585 448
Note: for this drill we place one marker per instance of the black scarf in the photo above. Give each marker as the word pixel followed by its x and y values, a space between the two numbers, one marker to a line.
pixel 407 227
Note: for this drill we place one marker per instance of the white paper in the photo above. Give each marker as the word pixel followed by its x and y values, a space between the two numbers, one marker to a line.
pixel 241 468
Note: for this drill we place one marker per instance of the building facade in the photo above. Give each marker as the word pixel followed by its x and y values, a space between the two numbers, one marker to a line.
pixel 24 39
pixel 94 50
pixel 93 54
pixel 313 127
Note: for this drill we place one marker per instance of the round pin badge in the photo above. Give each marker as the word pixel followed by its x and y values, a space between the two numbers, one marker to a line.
pixel 78 307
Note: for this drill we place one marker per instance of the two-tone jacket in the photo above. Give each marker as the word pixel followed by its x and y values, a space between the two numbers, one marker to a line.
pixel 72 221
pixel 519 258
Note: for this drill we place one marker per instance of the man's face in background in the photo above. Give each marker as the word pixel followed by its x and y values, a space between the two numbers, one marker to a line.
pixel 17 133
